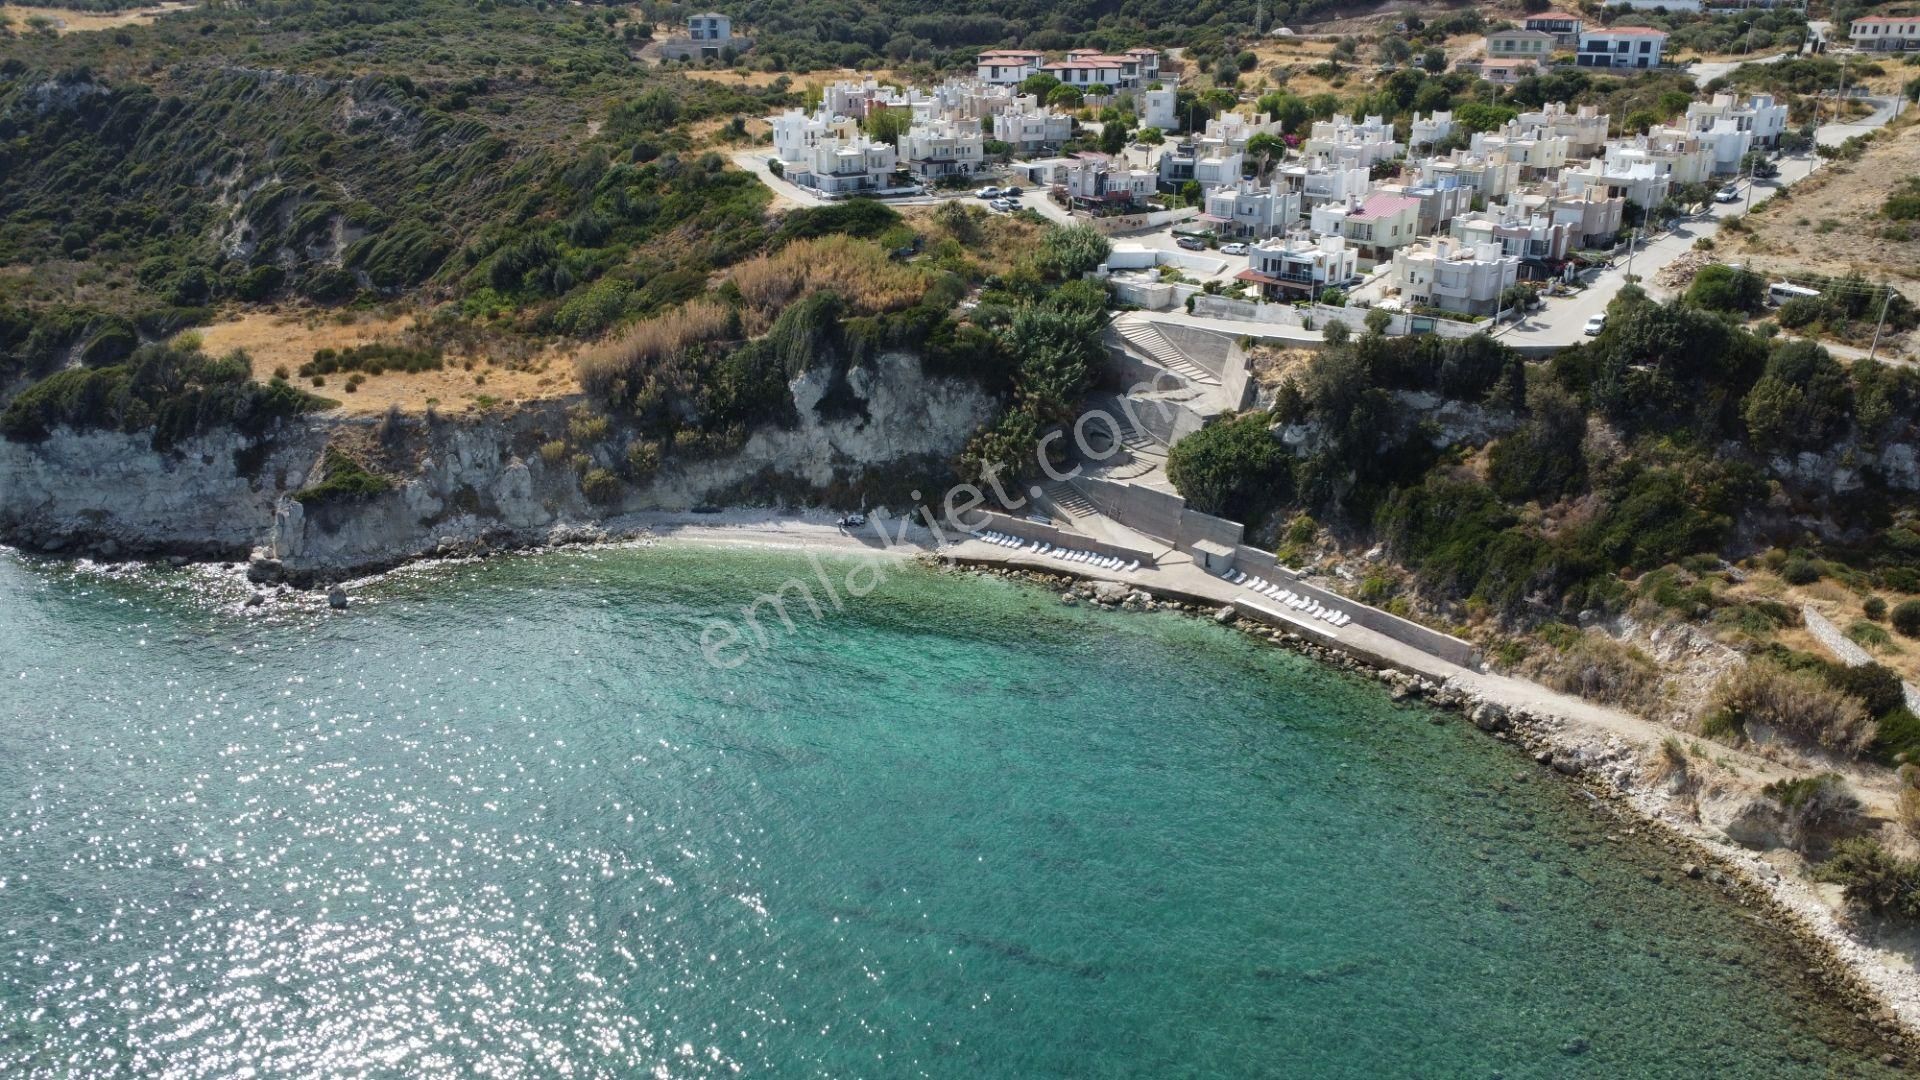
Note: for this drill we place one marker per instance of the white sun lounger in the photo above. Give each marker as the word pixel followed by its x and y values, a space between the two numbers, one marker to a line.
pixel 1132 566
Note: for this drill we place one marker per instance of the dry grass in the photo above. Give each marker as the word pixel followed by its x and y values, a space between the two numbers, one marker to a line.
pixel 645 344
pixel 1598 668
pixel 78 22
pixel 856 269
pixel 1797 705
pixel 285 340
pixel 1795 235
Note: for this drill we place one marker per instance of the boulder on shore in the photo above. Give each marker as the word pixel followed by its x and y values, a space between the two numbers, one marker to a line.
pixel 337 598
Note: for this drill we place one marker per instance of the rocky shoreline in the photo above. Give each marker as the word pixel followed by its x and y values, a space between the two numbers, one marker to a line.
pixel 1615 777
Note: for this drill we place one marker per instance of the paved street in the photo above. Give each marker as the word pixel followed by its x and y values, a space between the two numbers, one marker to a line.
pixel 1560 323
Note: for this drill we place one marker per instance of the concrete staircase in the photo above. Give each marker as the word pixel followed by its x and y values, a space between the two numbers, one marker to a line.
pixel 1146 339
pixel 1067 503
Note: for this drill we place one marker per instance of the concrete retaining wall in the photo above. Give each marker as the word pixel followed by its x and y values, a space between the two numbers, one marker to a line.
pixel 1166 516
pixel 1226 307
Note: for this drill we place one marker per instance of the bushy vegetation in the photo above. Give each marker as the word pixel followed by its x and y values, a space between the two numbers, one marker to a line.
pixel 1234 468
pixel 173 392
pixel 1798 705
pixel 1875 878
pixel 327 163
pixel 373 359
pixel 342 478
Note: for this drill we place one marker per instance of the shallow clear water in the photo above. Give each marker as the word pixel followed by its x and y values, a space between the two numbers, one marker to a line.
pixel 504 819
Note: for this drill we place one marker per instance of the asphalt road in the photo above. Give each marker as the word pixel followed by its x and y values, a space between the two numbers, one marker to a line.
pixel 1562 320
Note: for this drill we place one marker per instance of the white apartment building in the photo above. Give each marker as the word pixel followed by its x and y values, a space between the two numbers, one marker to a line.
pixel 937 148
pixel 1008 67
pixel 1234 129
pixel 1489 175
pixel 1376 225
pixel 1539 154
pixel 846 166
pixel 711 28
pixel 1159 109
pixel 1585 129
pixel 1093 73
pixel 1621 47
pixel 1356 145
pixel 1734 127
pixel 1430 130
pixel 1439 203
pixel 1641 182
pixel 1684 157
pixel 1320 182
pixel 1591 216
pixel 1092 183
pixel 1299 266
pixel 1445 274
pixel 1249 209
pixel 1209 162
pixel 1885 33
pixel 1530 237
pixel 1029 128
pixel 796 133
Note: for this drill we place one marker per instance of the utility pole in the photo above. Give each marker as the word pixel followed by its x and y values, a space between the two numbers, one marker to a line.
pixel 1882 321
pixel 1631 244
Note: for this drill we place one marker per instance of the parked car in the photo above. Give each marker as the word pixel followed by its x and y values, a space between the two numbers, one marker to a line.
pixel 1595 324
pixel 1007 205
pixel 988 193
pixel 1233 249
pixel 1727 194
pixel 1191 243
pixel 1012 191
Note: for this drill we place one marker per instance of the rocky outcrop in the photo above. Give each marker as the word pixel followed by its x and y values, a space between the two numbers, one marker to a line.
pixel 456 482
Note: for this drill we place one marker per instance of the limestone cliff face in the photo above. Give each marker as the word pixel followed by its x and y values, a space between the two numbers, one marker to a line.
pixel 456 480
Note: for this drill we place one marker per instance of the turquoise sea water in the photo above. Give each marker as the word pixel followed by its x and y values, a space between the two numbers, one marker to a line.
pixel 504 820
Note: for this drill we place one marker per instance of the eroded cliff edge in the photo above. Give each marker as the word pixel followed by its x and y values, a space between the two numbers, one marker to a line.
pixel 493 478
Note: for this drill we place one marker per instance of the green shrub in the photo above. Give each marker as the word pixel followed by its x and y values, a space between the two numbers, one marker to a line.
pixel 1874 878
pixel 173 391
pixel 1871 635
pixel 1799 571
pixel 1906 617
pixel 601 486
pixel 1234 468
pixel 1875 608
pixel 342 478
pixel 1798 705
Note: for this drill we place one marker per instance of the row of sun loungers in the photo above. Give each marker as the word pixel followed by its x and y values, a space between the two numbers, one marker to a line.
pixel 1305 605
pixel 1064 554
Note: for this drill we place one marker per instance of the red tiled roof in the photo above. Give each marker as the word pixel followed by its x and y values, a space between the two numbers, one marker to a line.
pixel 1386 205
pixel 1891 20
pixel 1629 31
pixel 1553 16
pixel 1075 65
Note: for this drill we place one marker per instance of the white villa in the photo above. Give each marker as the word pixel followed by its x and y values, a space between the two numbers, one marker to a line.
pixel 1585 129
pixel 1299 266
pixel 1359 145
pixel 1448 275
pixel 1029 127
pixel 796 133
pixel 1249 209
pixel 938 148
pixel 846 166
pixel 1008 67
